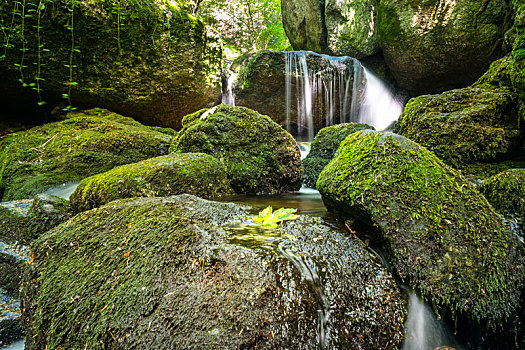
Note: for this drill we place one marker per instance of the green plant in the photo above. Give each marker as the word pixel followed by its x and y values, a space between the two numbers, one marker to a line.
pixel 270 218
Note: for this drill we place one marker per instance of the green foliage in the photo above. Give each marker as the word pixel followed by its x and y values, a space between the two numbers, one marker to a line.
pixel 245 25
pixel 268 217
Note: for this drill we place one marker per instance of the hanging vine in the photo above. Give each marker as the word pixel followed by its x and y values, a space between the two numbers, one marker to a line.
pixel 70 66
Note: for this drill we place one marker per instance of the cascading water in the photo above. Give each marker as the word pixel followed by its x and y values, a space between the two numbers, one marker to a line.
pixel 338 88
pixel 423 330
pixel 228 97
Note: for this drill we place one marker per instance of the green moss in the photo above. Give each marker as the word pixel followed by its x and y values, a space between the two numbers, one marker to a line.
pixel 193 173
pixel 438 233
pixel 260 156
pixel 149 59
pixel 506 192
pixel 85 144
pixel 475 124
pixel 323 148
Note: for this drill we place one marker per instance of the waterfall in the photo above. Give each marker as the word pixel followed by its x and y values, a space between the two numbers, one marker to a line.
pixel 423 330
pixel 228 98
pixel 378 107
pixel 329 90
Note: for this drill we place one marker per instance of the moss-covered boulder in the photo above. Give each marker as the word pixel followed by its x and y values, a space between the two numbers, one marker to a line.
pixel 480 123
pixel 435 46
pixel 323 149
pixel 435 229
pixel 260 156
pixel 86 143
pixel 148 59
pixel 193 173
pixel 183 272
pixel 506 193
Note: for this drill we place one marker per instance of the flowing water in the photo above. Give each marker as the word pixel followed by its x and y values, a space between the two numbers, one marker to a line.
pixel 324 90
pixel 423 330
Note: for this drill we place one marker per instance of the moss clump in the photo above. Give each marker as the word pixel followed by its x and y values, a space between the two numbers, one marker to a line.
pixel 260 156
pixel 475 124
pixel 23 221
pixel 437 232
pixel 85 144
pixel 148 272
pixel 193 173
pixel 506 192
pixel 323 149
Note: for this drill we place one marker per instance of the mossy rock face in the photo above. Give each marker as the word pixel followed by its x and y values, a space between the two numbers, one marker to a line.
pixel 193 173
pixel 173 273
pixel 436 230
pixel 10 274
pixel 261 85
pixel 351 29
pixel 260 156
pixel 323 149
pixel 148 59
pixel 87 143
pixel 506 193
pixel 435 46
pixel 474 124
pixel 24 220
pixel 303 24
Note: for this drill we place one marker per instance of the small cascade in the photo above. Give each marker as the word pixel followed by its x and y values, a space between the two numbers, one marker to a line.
pixel 228 97
pixel 323 90
pixel 270 239
pixel 378 107
pixel 423 330
pixel 304 148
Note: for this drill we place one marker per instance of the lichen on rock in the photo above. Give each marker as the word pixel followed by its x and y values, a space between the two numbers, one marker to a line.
pixel 193 173
pixel 260 156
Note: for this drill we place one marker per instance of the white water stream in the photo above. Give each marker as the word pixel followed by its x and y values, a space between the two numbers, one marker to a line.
pixel 423 330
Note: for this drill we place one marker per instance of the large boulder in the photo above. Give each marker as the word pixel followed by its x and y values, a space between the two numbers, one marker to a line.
pixel 350 28
pixel 506 193
pixel 148 59
pixel 86 143
pixel 341 28
pixel 303 24
pixel 435 46
pixel 183 272
pixel 474 124
pixel 260 156
pixel 323 149
pixel 435 229
pixel 319 86
pixel 193 173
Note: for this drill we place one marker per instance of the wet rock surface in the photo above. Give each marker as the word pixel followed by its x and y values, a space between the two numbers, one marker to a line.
pixel 436 230
pixel 192 173
pixel 260 157
pixel 185 272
